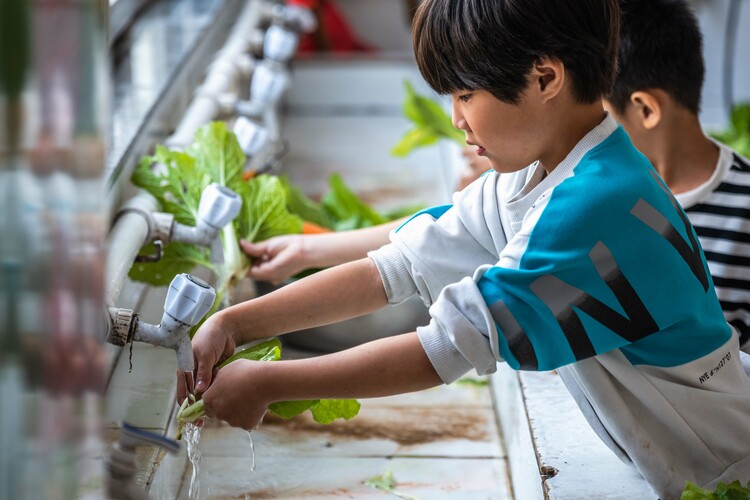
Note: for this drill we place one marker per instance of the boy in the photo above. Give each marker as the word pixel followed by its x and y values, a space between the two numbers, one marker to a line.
pixel 656 98
pixel 576 258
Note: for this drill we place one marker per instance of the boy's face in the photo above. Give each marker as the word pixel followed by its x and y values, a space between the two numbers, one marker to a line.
pixel 509 135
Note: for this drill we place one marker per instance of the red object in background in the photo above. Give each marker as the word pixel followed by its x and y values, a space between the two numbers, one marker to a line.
pixel 333 33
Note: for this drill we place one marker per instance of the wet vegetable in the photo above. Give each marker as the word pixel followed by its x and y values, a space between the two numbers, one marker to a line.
pixel 324 411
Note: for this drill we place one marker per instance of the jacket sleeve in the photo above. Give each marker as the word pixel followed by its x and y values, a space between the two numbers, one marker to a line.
pixel 589 271
pixel 440 246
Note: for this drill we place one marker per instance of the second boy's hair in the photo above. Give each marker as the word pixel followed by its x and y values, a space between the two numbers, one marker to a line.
pixel 661 47
pixel 493 44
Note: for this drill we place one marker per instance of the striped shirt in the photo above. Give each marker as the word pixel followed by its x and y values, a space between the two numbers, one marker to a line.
pixel 720 212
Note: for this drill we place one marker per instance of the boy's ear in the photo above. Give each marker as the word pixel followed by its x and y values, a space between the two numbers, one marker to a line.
pixel 648 109
pixel 548 77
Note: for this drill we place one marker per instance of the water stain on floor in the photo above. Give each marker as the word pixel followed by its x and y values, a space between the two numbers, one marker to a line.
pixel 416 426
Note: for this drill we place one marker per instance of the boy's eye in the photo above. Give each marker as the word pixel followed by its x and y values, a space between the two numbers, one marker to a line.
pixel 464 97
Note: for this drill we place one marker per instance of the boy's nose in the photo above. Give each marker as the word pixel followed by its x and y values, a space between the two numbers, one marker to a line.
pixel 457 119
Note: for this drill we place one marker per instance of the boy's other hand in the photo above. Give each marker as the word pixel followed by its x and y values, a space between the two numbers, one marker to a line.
pixel 213 343
pixel 237 396
pixel 276 259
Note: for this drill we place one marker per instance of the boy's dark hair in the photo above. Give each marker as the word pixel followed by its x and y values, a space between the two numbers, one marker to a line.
pixel 493 44
pixel 661 47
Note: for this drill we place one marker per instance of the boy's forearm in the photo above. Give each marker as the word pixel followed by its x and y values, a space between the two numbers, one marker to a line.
pixel 385 367
pixel 332 295
pixel 332 249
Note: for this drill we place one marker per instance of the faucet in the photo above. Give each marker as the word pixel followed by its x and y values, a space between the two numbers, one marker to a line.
pixel 121 465
pixel 218 206
pixel 188 300
pixel 280 43
pixel 269 81
pixel 251 136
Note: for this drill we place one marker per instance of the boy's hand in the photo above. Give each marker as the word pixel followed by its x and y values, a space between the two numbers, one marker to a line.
pixel 237 396
pixel 276 259
pixel 213 343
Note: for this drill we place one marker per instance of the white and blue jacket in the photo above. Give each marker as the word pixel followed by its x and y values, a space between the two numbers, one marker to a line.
pixel 595 271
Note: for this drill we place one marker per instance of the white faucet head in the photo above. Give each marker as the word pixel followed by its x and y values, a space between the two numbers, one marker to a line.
pixel 280 43
pixel 218 206
pixel 251 136
pixel 268 84
pixel 188 299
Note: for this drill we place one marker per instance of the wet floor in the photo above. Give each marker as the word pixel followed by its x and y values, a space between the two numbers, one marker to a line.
pixel 441 443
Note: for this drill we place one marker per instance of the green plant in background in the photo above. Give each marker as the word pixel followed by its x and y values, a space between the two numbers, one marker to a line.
pixel 340 209
pixel 324 411
pixel 731 491
pixel 431 124
pixel 737 136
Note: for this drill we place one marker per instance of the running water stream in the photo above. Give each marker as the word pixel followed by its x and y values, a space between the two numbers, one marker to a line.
pixel 252 451
pixel 192 436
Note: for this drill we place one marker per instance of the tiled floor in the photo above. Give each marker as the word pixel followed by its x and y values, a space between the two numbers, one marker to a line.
pixel 442 443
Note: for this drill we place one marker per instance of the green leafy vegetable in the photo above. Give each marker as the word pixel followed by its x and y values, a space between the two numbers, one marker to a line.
pixel 737 136
pixel 178 187
pixel 176 258
pixel 431 124
pixel 324 411
pixel 387 483
pixel 217 152
pixel 731 491
pixel 300 204
pixel 347 209
pixel 476 382
pixel 264 210
pixel 340 209
pixel 178 183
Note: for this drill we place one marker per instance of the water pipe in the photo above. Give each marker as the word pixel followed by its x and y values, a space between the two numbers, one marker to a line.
pixel 231 65
pixel 131 230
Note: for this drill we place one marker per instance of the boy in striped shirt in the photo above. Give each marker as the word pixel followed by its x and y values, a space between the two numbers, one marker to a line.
pixel 656 98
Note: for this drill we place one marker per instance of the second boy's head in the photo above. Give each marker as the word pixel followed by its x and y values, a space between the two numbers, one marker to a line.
pixel 520 72
pixel 660 69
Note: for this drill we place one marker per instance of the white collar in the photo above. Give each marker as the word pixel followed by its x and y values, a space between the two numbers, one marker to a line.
pixel 537 183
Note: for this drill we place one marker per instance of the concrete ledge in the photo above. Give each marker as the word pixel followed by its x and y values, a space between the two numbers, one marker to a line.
pixel 552 451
